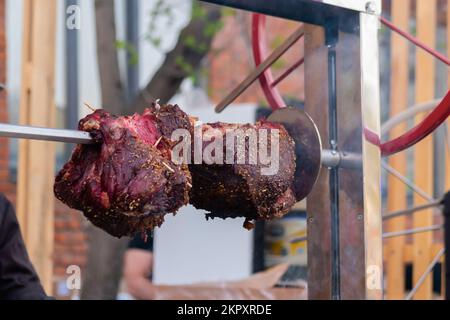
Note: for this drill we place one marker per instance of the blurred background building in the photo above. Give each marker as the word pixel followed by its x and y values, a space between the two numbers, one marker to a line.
pixel 146 31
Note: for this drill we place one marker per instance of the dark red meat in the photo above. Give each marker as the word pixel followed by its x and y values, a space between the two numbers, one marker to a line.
pixel 124 184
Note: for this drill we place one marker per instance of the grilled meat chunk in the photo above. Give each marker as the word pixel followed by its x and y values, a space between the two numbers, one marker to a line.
pixel 240 189
pixel 126 182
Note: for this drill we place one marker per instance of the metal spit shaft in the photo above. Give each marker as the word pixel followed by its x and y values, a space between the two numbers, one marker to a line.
pixel 330 158
pixel 335 158
pixel 39 133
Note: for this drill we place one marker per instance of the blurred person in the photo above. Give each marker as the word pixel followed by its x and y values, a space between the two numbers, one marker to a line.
pixel 18 279
pixel 138 267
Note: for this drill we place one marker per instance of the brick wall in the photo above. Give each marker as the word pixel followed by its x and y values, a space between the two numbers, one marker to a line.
pixel 70 245
pixel 231 59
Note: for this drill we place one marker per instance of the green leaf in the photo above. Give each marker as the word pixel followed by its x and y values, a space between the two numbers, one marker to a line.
pixel 194 78
pixel 212 28
pixel 120 44
pixel 184 65
pixel 156 41
pixel 130 49
pixel 279 64
pixel 202 47
pixel 228 12
pixel 190 42
pixel 198 12
pixel 276 42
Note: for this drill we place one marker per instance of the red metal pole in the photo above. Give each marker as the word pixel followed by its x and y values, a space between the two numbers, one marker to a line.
pixel 416 41
pixel 420 131
pixel 259 53
pixel 287 72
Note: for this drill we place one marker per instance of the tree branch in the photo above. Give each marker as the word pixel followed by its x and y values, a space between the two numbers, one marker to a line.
pixel 110 83
pixel 167 80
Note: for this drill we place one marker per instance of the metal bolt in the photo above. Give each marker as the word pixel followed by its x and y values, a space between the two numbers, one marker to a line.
pixel 310 219
pixel 371 7
pixel 333 145
pixel 359 216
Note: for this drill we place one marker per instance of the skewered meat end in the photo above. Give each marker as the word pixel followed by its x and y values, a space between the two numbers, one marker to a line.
pixel 126 182
pixel 241 190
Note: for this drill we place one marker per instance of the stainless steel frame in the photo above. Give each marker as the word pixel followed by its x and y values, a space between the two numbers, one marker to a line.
pixel 370 110
pixel 343 98
pixel 371 7
pixel 344 214
pixel 309 11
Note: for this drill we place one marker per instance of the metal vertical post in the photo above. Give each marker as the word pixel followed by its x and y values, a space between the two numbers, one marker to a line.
pixel 331 39
pixel 132 36
pixel 343 98
pixel 370 111
pixel 72 99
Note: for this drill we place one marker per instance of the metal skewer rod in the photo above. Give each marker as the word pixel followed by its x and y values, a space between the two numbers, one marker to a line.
pixel 411 210
pixel 425 274
pixel 407 182
pixel 388 234
pixel 39 133
pixel 412 231
pixel 298 239
pixel 335 158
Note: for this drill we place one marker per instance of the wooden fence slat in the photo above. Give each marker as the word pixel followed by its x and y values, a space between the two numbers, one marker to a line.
pixel 35 200
pixel 396 198
pixel 423 152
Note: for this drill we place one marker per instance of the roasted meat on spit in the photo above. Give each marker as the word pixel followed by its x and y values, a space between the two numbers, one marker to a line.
pixel 127 181
pixel 241 189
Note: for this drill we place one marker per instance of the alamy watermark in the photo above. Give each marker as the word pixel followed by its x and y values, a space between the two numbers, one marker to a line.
pixel 373 277
pixel 73 17
pixel 73 280
pixel 253 146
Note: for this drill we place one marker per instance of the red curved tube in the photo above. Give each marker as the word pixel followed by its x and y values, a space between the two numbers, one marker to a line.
pixel 287 72
pixel 259 54
pixel 433 120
